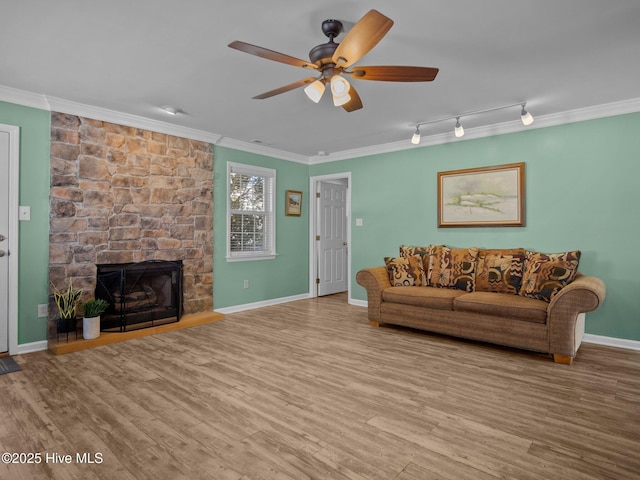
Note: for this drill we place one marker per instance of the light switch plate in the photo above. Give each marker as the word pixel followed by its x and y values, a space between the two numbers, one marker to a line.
pixel 24 213
pixel 358 222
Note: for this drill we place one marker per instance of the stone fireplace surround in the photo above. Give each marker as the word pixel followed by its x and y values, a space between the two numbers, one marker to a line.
pixel 121 194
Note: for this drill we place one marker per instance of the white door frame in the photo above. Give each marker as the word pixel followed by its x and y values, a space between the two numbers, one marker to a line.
pixel 14 182
pixel 313 220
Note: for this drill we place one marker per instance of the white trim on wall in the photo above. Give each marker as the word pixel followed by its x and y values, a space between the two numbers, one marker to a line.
pixel 612 341
pixel 313 220
pixel 54 104
pixel 24 348
pixel 560 118
pixel 29 99
pixel 264 303
pixel 13 240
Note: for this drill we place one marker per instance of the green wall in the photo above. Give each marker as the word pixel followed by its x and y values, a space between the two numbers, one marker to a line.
pixel 285 276
pixel 581 181
pixel 33 269
pixel 581 190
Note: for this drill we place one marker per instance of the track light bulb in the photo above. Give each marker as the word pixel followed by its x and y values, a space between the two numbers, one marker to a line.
pixel 416 136
pixel 526 117
pixel 315 90
pixel 458 131
pixel 340 90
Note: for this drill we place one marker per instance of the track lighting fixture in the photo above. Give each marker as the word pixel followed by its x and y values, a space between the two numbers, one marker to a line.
pixel 458 131
pixel 315 90
pixel 416 136
pixel 525 117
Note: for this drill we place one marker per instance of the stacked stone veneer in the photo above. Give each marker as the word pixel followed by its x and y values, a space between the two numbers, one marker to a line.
pixel 121 194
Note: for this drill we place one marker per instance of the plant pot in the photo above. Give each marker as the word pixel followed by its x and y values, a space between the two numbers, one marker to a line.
pixel 90 328
pixel 66 325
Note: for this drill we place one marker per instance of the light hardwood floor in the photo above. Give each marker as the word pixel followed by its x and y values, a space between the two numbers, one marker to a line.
pixel 309 390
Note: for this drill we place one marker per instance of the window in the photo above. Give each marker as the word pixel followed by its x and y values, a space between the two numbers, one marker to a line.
pixel 250 212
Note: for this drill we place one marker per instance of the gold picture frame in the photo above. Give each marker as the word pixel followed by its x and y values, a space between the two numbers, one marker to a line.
pixel 482 197
pixel 293 205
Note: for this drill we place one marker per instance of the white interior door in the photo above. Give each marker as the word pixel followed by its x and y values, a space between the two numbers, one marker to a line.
pixel 332 243
pixel 4 243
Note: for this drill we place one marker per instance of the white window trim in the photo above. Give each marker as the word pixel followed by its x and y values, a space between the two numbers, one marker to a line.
pixel 233 167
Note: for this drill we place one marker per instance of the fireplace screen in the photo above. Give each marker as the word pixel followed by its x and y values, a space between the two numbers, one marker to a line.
pixel 140 295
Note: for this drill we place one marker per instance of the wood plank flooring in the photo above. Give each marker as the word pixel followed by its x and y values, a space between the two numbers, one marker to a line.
pixel 309 390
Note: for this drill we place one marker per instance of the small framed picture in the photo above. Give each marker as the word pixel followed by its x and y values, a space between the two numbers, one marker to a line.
pixel 294 203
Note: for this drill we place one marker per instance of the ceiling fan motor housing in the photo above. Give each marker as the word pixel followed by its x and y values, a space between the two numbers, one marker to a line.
pixel 322 54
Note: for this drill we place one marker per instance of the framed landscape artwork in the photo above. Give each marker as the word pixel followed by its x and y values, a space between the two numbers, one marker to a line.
pixel 482 197
pixel 294 203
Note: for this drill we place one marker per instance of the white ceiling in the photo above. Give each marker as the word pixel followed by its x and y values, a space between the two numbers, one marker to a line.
pixel 135 56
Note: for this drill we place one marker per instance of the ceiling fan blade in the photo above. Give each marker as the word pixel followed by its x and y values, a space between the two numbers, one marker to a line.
pixel 271 54
pixel 355 103
pixel 286 88
pixel 364 35
pixel 394 73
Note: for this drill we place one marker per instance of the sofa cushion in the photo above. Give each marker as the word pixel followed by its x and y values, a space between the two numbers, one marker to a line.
pixel 406 271
pixel 409 250
pixel 500 270
pixel 546 274
pixel 503 305
pixel 429 297
pixel 452 267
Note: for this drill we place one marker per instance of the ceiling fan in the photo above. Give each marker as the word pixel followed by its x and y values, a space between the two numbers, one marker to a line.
pixel 332 61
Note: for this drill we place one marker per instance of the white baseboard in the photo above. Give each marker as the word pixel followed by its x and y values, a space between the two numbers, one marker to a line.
pixel 612 341
pixel 32 347
pixel 265 303
pixel 358 303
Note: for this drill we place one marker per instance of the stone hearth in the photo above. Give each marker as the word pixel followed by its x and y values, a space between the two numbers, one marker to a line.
pixel 121 194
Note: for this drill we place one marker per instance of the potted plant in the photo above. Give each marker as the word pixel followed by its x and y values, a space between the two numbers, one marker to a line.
pixel 67 302
pixel 91 320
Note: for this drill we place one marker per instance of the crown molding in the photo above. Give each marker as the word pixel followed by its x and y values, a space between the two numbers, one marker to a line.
pixel 54 104
pixel 571 116
pixel 30 99
pixel 24 98
pixel 262 150
pixel 112 116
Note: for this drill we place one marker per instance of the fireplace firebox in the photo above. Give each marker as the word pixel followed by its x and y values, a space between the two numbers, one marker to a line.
pixel 140 295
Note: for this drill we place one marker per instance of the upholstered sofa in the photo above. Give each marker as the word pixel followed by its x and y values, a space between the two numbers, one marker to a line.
pixel 510 297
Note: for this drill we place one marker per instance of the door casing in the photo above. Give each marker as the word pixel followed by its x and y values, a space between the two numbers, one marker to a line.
pixel 313 222
pixel 12 236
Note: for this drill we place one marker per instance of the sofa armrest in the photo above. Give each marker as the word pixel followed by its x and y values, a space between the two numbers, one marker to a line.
pixel 582 295
pixel 375 280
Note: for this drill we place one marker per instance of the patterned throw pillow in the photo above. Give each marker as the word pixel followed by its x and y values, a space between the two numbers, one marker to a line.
pixel 406 271
pixel 500 271
pixel 452 267
pixel 409 250
pixel 546 274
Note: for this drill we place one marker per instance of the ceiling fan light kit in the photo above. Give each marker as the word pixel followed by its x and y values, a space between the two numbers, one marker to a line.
pixel 340 90
pixel 331 60
pixel 458 131
pixel 315 90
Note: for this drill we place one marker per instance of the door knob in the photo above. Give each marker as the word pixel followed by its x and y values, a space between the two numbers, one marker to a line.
pixel 2 238
pixel 2 253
